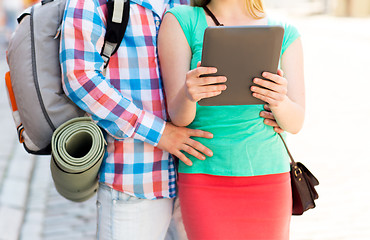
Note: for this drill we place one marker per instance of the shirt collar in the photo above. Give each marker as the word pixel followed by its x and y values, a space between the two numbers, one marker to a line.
pixel 157 6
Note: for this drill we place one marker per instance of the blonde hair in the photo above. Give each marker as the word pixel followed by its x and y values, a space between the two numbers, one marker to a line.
pixel 255 7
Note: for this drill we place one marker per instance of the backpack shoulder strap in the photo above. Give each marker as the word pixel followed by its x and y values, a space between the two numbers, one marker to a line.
pixel 117 20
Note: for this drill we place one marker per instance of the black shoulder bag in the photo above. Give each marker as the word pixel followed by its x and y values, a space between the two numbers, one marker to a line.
pixel 303 185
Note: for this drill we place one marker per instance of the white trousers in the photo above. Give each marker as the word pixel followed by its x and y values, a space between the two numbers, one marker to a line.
pixel 121 217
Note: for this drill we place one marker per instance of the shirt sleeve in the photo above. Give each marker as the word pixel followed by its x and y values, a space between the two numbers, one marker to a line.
pixel 183 14
pixel 290 35
pixel 82 38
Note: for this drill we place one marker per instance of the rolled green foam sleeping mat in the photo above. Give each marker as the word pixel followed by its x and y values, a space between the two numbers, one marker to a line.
pixel 78 148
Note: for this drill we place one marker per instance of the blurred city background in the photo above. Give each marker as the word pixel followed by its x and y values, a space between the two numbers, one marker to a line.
pixel 334 143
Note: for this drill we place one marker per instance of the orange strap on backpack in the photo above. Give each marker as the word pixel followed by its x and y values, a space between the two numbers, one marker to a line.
pixel 13 103
pixel 10 92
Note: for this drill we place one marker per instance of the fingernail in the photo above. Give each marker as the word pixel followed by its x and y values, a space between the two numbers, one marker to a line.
pixel 209 153
pixel 203 157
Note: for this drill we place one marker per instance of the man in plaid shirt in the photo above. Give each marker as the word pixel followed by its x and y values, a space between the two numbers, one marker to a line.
pixel 135 197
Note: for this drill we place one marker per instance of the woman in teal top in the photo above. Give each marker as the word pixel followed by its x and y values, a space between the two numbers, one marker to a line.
pixel 244 148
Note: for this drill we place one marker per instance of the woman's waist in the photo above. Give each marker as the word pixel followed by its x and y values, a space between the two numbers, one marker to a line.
pixel 243 148
pixel 227 115
pixel 208 180
pixel 233 132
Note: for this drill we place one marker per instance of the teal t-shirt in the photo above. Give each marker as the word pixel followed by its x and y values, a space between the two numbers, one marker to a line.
pixel 242 144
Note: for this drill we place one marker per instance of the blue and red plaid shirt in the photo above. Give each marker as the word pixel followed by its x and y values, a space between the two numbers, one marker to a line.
pixel 129 102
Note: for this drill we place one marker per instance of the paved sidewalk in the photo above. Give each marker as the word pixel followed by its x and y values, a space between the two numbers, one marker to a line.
pixel 334 144
pixel 30 207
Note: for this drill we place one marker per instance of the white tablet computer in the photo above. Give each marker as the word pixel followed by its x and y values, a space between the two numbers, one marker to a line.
pixel 240 53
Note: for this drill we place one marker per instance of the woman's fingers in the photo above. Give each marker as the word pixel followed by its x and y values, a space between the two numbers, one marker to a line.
pixel 212 88
pixel 273 90
pixel 270 122
pixel 197 72
pixel 199 87
pixel 205 81
pixel 268 93
pixel 275 77
pixel 269 119
pixel 280 73
pixel 212 80
pixel 271 85
pixel 265 98
pixel 267 115
pixel 198 92
pixel 267 108
pixel 199 96
pixel 278 130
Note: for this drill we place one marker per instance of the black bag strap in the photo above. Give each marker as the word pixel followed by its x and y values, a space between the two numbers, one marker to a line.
pixel 117 20
pixel 206 9
pixel 286 146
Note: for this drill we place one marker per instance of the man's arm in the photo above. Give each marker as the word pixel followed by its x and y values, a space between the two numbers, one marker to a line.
pixel 83 34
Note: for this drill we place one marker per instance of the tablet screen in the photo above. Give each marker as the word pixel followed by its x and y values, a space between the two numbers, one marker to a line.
pixel 240 53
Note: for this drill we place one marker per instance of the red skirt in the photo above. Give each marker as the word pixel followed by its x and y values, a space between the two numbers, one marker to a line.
pixel 236 208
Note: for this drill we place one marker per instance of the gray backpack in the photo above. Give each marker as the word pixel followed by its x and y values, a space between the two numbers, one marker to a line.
pixel 34 84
